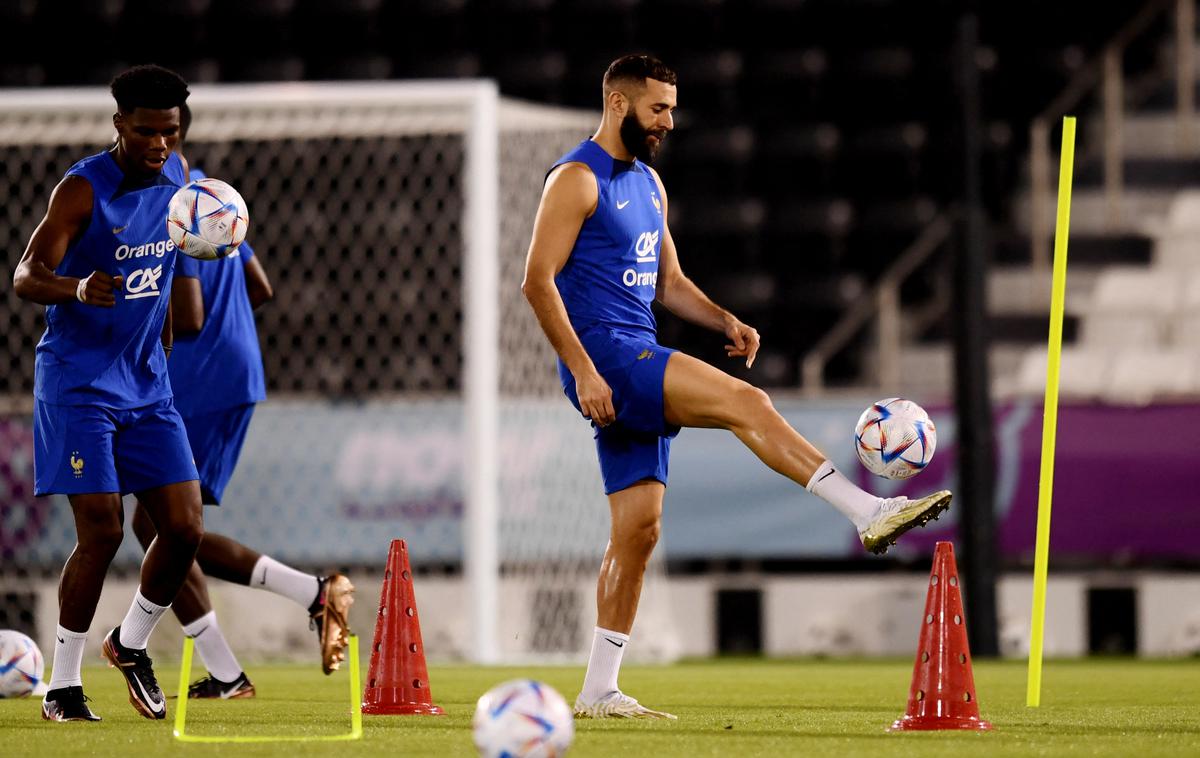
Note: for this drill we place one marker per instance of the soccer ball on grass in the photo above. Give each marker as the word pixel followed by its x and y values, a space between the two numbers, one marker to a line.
pixel 523 719
pixel 21 665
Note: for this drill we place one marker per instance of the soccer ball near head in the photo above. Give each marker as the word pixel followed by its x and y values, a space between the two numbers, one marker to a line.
pixel 523 719
pixel 895 438
pixel 21 665
pixel 207 219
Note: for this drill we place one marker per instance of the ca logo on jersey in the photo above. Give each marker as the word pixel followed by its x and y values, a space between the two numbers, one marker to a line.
pixel 143 283
pixel 77 465
pixel 647 245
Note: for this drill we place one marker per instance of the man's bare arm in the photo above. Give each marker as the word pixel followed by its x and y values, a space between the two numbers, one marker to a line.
pixel 187 303
pixel 34 278
pixel 569 198
pixel 258 285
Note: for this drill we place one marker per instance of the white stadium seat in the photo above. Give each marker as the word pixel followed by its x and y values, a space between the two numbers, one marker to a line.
pixel 1132 306
pixel 1178 244
pixel 1142 376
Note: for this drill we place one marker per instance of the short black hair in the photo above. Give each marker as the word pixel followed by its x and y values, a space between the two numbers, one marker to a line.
pixel 637 69
pixel 149 86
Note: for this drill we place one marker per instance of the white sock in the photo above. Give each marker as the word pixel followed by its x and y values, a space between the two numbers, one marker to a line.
pixel 604 664
pixel 212 647
pixel 855 504
pixel 273 576
pixel 68 656
pixel 140 621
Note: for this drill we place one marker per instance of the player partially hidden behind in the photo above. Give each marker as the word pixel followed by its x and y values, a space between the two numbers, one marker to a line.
pixel 105 423
pixel 216 346
pixel 601 253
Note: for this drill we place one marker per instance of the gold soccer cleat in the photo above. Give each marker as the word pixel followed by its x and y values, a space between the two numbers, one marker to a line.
pixel 897 515
pixel 328 616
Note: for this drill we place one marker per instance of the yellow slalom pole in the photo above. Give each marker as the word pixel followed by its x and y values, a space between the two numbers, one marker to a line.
pixel 1041 559
pixel 356 722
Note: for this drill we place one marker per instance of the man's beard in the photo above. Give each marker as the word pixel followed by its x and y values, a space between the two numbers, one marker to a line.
pixel 636 139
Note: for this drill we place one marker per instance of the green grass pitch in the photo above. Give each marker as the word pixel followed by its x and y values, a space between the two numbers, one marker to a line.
pixel 734 707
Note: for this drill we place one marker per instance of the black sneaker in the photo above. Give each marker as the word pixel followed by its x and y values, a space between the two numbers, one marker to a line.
pixel 214 688
pixel 327 615
pixel 144 692
pixel 67 704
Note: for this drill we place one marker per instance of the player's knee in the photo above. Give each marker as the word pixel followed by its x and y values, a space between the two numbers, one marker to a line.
pixel 642 535
pixel 752 401
pixel 191 532
pixel 101 536
pixel 186 530
pixel 650 534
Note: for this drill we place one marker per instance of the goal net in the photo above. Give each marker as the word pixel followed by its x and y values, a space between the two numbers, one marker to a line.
pixel 411 392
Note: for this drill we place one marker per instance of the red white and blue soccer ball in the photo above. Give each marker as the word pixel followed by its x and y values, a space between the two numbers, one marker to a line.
pixel 21 665
pixel 523 718
pixel 895 438
pixel 207 219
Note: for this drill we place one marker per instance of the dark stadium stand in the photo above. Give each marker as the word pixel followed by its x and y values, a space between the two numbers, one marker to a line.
pixel 815 137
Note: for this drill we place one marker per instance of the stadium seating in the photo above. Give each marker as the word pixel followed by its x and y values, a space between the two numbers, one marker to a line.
pixel 815 137
pixel 1132 307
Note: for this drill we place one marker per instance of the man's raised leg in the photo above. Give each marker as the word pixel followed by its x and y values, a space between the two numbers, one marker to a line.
pixel 326 598
pixel 636 524
pixel 696 394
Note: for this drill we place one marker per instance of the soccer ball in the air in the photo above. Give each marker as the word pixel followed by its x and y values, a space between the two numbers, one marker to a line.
pixel 21 665
pixel 207 219
pixel 523 719
pixel 895 438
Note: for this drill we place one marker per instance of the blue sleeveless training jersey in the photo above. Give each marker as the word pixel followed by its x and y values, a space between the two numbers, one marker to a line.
pixel 221 366
pixel 113 357
pixel 609 280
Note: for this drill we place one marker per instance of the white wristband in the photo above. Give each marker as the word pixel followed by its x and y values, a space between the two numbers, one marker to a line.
pixel 79 291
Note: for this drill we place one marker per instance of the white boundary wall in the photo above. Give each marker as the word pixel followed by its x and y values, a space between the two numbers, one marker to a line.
pixel 825 615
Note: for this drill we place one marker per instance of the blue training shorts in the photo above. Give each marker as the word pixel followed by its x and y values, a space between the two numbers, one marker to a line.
pixel 82 449
pixel 637 445
pixel 216 439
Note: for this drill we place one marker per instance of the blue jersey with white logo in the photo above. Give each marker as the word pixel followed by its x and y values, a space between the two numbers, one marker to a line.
pixel 220 366
pixel 610 278
pixel 113 357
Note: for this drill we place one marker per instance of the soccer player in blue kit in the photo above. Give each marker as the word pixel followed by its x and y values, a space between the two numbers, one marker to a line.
pixel 105 422
pixel 601 252
pixel 216 346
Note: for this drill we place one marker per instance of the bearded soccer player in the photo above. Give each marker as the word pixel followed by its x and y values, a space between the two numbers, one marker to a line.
pixel 105 422
pixel 216 345
pixel 601 253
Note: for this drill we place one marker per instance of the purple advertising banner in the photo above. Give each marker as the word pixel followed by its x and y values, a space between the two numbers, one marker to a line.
pixel 1126 484
pixel 320 484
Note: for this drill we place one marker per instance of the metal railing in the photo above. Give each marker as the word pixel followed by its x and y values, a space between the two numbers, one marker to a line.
pixel 882 308
pixel 1107 73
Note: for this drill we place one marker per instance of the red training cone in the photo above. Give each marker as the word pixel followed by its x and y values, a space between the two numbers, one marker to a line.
pixel 943 688
pixel 398 681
